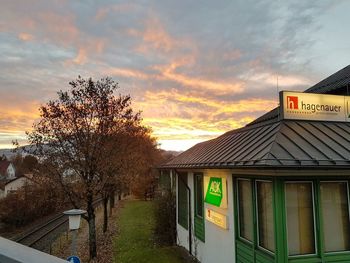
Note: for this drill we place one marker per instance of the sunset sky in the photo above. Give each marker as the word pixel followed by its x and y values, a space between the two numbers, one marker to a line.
pixel 195 68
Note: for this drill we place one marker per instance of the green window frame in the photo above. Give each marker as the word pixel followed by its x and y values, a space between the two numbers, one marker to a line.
pixel 327 212
pixel 302 228
pixel 334 206
pixel 265 215
pixel 182 207
pixel 199 227
pixel 245 209
pixel 248 247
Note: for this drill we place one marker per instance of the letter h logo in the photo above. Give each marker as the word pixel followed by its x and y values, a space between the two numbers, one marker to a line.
pixel 292 102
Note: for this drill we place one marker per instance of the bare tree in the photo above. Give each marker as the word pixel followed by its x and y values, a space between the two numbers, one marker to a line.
pixel 72 140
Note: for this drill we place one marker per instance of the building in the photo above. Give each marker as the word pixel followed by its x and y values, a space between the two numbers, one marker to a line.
pixel 276 190
pixel 7 170
pixel 12 185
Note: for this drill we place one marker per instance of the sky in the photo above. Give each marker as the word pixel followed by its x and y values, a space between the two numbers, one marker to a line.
pixel 195 69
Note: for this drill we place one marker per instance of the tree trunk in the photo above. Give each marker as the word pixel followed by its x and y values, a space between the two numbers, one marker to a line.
pixel 111 203
pixel 92 228
pixel 105 214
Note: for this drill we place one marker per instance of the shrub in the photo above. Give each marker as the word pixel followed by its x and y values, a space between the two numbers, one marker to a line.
pixel 27 204
pixel 165 212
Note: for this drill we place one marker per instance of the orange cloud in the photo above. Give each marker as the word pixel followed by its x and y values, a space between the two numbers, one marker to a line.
pixel 81 58
pixel 25 36
pixel 14 121
pixel 216 106
pixel 126 73
pixel 184 116
pixel 155 38
pixel 198 83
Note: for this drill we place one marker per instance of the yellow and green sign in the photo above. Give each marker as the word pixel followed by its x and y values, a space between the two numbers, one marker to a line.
pixel 215 191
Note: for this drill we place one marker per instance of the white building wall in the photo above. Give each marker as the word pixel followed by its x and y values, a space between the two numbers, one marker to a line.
pixel 219 244
pixel 11 172
pixel 15 185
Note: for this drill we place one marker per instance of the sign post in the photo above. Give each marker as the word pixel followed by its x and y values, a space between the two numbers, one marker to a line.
pixel 74 224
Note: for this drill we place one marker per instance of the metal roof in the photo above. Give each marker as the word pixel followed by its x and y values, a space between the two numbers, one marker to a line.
pixel 337 83
pixel 284 143
pixel 267 141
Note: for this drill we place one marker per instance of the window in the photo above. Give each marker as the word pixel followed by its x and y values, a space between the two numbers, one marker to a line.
pixel 165 180
pixel 265 215
pixel 199 229
pixel 182 200
pixel 300 218
pixel 335 215
pixel 198 184
pixel 245 209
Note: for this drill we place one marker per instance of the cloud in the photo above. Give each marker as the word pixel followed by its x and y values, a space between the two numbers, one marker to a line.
pixel 81 58
pixel 190 116
pixel 196 70
pixel 25 36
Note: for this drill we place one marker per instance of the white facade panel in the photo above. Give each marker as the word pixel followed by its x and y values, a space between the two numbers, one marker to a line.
pixel 219 243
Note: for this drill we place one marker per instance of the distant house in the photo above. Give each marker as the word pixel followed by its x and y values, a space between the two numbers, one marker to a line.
pixel 7 170
pixel 8 186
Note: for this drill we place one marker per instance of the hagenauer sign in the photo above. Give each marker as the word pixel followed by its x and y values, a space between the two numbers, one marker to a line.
pixel 311 106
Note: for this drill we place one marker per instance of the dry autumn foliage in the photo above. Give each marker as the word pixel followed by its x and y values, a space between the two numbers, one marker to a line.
pixel 83 140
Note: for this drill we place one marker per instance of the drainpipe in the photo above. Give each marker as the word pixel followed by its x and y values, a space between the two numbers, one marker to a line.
pixel 189 212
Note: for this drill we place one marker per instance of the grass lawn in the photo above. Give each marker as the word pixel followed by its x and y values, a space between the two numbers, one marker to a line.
pixel 134 242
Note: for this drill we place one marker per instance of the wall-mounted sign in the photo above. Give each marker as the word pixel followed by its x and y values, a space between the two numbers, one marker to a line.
pixel 215 191
pixel 311 106
pixel 216 218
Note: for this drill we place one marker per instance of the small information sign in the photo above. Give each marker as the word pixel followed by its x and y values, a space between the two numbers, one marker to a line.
pixel 73 259
pixel 216 218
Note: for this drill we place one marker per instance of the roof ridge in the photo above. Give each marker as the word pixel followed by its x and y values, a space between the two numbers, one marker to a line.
pixel 277 133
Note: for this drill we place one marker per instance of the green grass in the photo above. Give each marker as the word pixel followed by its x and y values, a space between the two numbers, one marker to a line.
pixel 134 242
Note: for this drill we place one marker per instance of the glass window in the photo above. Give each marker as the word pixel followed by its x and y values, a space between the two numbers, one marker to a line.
pixel 300 218
pixel 265 215
pixel 245 209
pixel 335 215
pixel 199 194
pixel 182 200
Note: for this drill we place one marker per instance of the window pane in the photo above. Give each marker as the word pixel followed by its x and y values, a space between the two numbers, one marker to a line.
pixel 182 201
pixel 199 194
pixel 245 209
pixel 335 213
pixel 265 215
pixel 300 218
